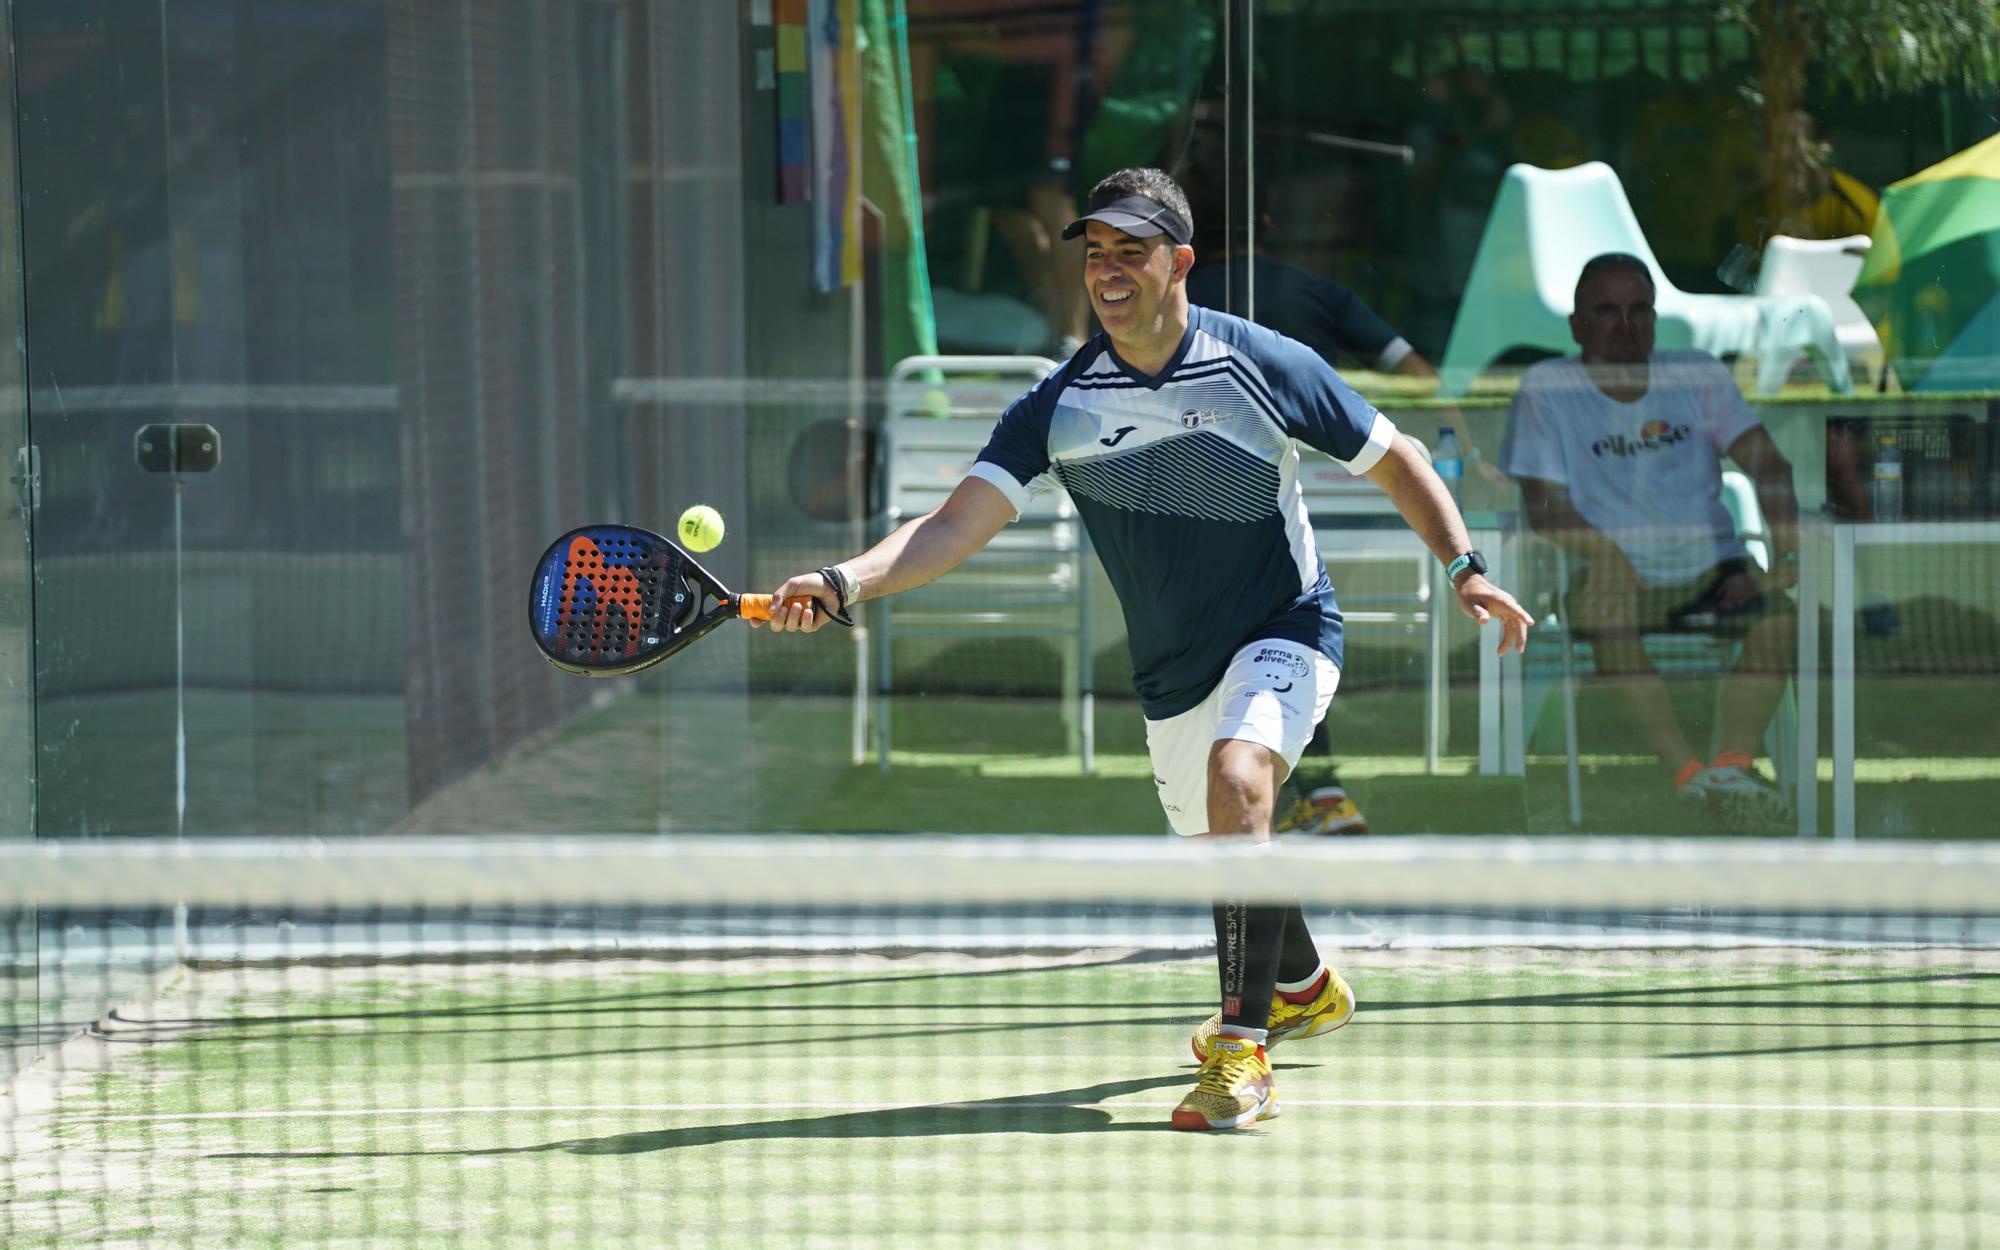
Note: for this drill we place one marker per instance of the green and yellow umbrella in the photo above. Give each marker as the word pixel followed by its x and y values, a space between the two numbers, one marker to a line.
pixel 1931 283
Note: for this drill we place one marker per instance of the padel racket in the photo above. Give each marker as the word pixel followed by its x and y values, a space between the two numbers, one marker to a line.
pixel 613 599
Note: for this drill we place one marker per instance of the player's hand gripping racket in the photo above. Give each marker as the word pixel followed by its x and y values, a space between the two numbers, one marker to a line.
pixel 612 599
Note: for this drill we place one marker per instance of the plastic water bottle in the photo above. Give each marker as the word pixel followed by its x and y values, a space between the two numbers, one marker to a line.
pixel 1888 491
pixel 1449 462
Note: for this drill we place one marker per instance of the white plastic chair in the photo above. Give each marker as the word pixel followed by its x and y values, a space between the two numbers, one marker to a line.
pixel 1546 223
pixel 1342 507
pixel 1739 495
pixel 1826 268
pixel 1033 580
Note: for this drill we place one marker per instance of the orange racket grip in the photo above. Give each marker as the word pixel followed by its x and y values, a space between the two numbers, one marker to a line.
pixel 758 608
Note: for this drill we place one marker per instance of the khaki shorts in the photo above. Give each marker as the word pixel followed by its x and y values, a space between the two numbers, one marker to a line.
pixel 1677 607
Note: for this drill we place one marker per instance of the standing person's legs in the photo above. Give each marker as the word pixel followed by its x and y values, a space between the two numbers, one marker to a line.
pixel 1243 778
pixel 1326 808
pixel 1309 998
pixel 1243 784
pixel 1218 767
pixel 1067 301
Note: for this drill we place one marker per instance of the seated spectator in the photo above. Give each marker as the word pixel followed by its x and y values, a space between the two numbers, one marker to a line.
pixel 1619 453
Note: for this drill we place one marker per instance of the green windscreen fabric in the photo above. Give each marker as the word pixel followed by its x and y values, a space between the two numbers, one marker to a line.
pixel 889 179
pixel 1153 88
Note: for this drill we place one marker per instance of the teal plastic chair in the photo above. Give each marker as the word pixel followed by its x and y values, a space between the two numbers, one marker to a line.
pixel 1546 223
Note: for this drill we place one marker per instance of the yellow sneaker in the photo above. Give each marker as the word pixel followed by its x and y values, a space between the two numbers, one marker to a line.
pixel 1234 1091
pixel 1326 811
pixel 1333 1008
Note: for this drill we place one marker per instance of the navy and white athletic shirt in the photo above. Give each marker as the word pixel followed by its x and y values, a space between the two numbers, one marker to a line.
pixel 1188 484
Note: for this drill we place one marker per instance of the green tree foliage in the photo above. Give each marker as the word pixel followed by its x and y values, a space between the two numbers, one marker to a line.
pixel 1873 48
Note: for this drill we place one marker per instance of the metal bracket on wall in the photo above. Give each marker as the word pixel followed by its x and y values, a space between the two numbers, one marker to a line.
pixel 27 478
pixel 177 448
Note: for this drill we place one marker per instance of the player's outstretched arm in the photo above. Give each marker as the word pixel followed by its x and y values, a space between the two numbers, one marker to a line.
pixel 920 551
pixel 1420 495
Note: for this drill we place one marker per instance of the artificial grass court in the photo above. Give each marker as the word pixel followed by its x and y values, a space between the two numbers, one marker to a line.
pixel 1495 1098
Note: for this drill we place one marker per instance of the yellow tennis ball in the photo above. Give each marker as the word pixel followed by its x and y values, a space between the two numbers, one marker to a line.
pixel 701 528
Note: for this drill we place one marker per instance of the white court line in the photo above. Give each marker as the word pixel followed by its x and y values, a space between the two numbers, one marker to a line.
pixel 1419 1104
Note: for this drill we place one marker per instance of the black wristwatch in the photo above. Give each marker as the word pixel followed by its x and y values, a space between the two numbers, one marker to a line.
pixel 1471 561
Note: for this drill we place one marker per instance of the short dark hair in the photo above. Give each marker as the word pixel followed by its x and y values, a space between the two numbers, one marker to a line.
pixel 1155 184
pixel 1611 262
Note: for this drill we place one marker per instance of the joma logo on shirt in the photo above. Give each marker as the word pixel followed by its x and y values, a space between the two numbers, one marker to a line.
pixel 1653 436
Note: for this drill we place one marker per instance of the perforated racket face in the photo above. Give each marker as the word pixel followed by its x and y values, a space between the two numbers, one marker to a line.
pixel 609 598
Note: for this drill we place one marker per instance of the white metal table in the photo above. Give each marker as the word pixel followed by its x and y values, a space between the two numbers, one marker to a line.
pixel 1817 534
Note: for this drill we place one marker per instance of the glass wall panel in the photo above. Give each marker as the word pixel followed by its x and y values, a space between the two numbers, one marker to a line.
pixel 1780 177
pixel 216 409
pixel 18 982
pixel 342 312
pixel 338 311
pixel 431 284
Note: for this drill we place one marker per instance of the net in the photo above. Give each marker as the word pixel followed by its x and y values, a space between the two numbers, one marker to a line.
pixel 974 1042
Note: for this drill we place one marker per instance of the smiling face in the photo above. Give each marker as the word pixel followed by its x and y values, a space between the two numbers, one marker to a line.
pixel 1614 321
pixel 1138 288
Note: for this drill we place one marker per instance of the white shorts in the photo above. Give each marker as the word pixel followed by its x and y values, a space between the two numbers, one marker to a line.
pixel 1272 694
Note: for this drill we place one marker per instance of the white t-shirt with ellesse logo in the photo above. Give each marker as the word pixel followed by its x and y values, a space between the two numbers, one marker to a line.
pixel 1648 473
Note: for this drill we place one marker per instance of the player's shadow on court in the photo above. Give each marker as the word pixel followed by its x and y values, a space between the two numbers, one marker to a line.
pixel 1063 1111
